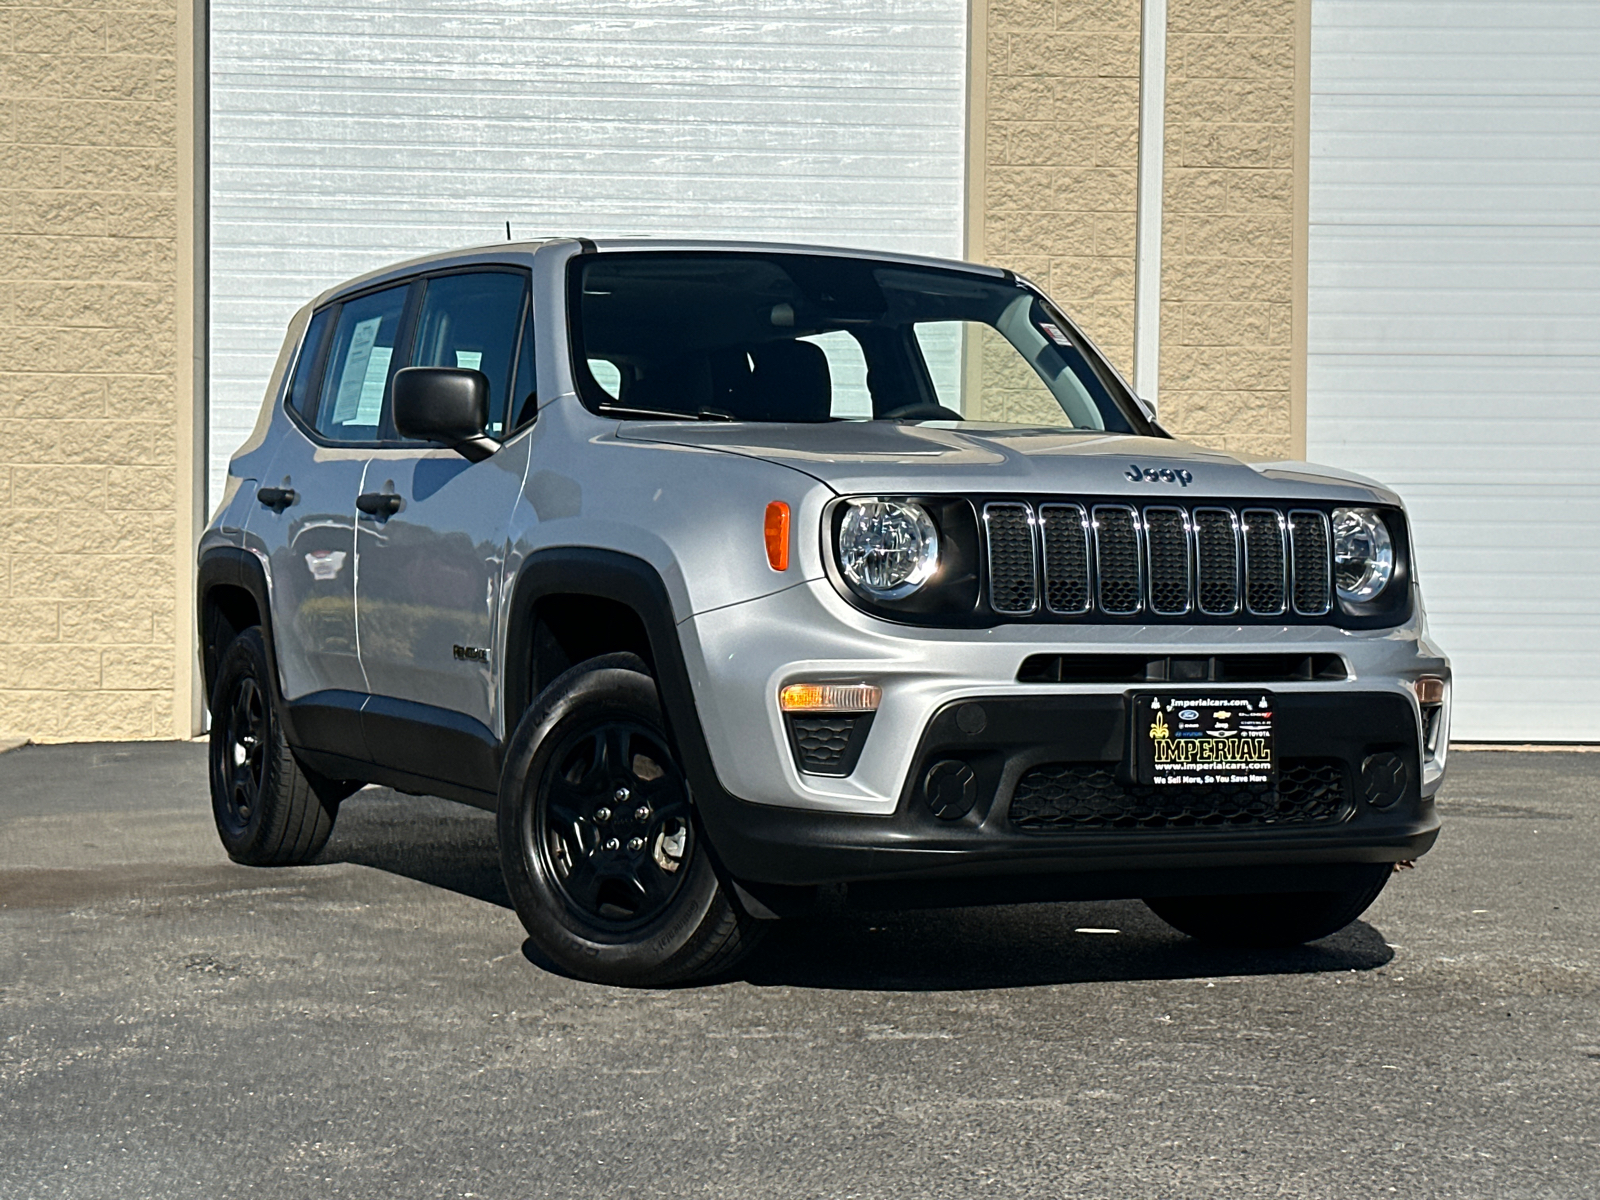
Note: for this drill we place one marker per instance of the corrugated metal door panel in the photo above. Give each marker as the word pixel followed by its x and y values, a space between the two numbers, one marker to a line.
pixel 1454 316
pixel 343 138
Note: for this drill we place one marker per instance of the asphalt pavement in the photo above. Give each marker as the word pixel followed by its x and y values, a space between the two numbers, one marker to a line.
pixel 174 1025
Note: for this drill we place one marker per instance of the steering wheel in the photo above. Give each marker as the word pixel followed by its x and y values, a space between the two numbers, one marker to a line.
pixel 922 412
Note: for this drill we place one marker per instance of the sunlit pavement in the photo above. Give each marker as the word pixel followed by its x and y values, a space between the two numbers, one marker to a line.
pixel 174 1025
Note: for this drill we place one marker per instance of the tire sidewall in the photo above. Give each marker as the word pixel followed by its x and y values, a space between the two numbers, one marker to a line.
pixel 246 657
pixel 615 685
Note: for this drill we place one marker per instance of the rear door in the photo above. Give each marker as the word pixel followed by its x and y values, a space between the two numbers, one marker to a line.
pixel 429 573
pixel 306 514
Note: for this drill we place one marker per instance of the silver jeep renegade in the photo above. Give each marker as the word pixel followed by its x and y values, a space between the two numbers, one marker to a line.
pixel 743 580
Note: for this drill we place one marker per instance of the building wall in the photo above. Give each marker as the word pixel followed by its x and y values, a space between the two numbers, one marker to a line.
pixel 101 493
pixel 1056 135
pixel 1228 358
pixel 89 513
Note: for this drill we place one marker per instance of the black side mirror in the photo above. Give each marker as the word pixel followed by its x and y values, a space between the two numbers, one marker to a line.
pixel 442 404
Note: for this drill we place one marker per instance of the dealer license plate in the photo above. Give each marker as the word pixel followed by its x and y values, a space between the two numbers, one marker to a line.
pixel 1203 739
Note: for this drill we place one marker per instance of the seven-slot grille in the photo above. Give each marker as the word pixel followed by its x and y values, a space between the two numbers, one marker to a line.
pixel 1157 561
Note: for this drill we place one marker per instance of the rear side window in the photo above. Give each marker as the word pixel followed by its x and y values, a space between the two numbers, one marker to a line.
pixel 470 322
pixel 302 391
pixel 357 375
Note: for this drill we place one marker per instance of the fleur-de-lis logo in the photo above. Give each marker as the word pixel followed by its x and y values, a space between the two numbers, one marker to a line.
pixel 1158 730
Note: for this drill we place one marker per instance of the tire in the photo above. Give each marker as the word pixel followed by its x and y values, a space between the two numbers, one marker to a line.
pixel 269 811
pixel 1271 920
pixel 604 858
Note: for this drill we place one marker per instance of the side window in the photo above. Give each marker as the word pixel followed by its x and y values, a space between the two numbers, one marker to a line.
pixel 357 375
pixel 470 322
pixel 302 389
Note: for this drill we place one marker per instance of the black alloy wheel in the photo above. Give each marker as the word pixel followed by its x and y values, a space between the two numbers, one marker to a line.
pixel 602 852
pixel 613 823
pixel 269 810
pixel 244 739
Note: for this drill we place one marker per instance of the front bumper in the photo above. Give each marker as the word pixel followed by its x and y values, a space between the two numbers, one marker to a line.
pixel 772 825
pixel 1202 851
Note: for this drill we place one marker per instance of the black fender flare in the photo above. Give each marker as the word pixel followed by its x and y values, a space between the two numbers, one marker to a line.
pixel 625 579
pixel 235 567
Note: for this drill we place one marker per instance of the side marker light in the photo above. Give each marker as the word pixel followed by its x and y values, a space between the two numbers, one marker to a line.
pixel 776 530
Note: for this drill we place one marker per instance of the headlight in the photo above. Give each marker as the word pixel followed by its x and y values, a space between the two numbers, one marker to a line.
pixel 887 548
pixel 1363 553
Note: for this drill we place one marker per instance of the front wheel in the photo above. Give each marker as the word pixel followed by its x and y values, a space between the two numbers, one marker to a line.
pixel 1272 920
pixel 601 852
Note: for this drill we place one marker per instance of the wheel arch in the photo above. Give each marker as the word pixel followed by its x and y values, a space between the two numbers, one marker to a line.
pixel 232 595
pixel 582 601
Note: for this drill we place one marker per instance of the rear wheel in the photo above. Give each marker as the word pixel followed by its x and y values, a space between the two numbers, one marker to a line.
pixel 269 812
pixel 1274 919
pixel 601 851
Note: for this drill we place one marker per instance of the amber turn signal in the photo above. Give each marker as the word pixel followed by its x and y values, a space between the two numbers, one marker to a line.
pixel 1430 690
pixel 777 534
pixel 830 697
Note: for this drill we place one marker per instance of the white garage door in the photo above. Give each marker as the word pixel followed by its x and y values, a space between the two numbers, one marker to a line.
pixel 346 135
pixel 1455 326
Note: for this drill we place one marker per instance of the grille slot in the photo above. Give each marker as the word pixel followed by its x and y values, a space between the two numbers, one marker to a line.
pixel 1072 797
pixel 1116 550
pixel 1308 552
pixel 1066 557
pixel 1166 532
pixel 1013 587
pixel 1216 561
pixel 1263 561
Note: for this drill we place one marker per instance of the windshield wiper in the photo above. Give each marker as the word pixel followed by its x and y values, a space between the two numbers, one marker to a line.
pixel 705 414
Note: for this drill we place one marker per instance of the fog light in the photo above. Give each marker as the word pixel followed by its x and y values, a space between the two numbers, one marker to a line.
pixel 830 698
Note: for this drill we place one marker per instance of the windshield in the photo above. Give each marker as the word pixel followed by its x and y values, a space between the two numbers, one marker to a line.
pixel 794 337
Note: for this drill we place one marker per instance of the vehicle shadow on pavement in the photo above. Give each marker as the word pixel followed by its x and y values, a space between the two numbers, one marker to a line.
pixel 448 845
pixel 1026 946
pixel 437 842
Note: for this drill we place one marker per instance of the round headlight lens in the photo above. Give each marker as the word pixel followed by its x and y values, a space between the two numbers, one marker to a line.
pixel 1363 553
pixel 887 548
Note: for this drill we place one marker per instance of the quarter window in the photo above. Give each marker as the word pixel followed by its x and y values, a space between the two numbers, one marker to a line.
pixel 302 391
pixel 357 377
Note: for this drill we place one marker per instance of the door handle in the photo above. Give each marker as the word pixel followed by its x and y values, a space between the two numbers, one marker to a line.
pixel 378 504
pixel 277 498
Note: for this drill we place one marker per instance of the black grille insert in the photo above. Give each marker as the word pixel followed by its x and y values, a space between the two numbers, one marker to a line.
pixel 1012 586
pixel 1216 560
pixel 1308 551
pixel 1166 533
pixel 1068 797
pixel 1263 561
pixel 1116 543
pixel 1066 558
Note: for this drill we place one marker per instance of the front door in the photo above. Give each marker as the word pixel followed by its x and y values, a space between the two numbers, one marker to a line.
pixel 429 572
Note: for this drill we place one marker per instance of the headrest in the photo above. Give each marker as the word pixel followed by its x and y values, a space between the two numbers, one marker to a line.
pixel 790 382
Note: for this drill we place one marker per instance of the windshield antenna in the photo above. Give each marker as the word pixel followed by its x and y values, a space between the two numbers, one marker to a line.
pixel 508 231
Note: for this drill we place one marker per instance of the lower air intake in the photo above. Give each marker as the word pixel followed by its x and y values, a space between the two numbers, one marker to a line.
pixel 1069 797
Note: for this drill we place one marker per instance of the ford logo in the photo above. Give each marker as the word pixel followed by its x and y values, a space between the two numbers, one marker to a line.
pixel 1188 714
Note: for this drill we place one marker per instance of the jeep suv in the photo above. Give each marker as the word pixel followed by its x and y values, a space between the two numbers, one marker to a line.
pixel 741 579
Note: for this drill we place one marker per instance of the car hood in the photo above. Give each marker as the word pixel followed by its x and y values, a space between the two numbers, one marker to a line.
pixel 855 457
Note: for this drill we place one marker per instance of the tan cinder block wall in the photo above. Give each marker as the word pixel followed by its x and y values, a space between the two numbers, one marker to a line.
pixel 88 354
pixel 1227 286
pixel 1056 192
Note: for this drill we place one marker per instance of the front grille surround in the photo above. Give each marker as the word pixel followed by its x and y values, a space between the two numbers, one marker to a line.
pixel 1116 560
